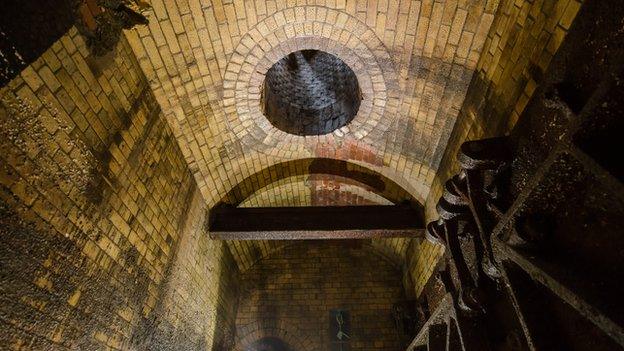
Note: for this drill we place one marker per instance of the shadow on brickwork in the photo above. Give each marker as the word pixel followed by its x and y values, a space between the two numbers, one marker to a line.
pixel 43 276
pixel 228 292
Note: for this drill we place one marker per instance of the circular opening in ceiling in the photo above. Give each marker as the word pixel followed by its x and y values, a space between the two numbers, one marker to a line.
pixel 310 92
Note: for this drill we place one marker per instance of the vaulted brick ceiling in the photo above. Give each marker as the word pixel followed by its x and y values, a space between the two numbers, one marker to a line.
pixel 206 62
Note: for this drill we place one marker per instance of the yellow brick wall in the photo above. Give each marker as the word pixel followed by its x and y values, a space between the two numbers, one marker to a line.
pixel 289 295
pixel 197 307
pixel 101 221
pixel 95 197
pixel 522 41
pixel 205 62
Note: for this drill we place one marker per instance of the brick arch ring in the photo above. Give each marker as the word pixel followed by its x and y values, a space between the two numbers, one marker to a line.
pixel 290 335
pixel 327 31
pixel 370 179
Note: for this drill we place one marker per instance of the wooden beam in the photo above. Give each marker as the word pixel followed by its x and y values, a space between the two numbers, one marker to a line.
pixel 303 223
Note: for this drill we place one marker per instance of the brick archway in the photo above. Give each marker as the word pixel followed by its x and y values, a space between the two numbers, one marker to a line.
pixel 247 253
pixel 276 299
pixel 290 335
pixel 370 179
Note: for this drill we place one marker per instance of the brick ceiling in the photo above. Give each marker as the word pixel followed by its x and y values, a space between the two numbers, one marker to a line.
pixel 206 61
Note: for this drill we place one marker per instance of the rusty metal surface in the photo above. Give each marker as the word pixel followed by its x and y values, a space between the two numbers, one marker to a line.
pixel 317 234
pixel 300 223
pixel 532 224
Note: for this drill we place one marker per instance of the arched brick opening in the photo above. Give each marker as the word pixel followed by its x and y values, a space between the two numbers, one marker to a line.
pixel 269 343
pixel 256 334
pixel 368 178
pixel 363 53
pixel 314 190
pixel 310 92
pixel 275 299
pixel 248 253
